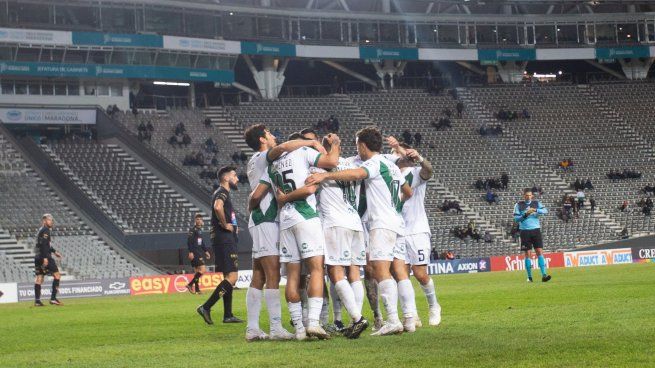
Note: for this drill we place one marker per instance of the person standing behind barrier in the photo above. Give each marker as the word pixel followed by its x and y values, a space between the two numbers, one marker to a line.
pixel 526 214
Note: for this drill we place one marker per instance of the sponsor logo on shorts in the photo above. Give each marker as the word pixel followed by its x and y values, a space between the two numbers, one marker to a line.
pixel 304 246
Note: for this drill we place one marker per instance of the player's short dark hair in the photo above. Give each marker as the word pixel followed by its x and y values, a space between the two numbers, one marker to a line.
pixel 371 137
pixel 405 145
pixel 308 131
pixel 527 190
pixel 224 170
pixel 252 135
pixel 295 135
pixel 198 215
pixel 325 143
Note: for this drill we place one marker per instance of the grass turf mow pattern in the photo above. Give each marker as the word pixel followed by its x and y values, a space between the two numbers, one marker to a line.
pixel 598 316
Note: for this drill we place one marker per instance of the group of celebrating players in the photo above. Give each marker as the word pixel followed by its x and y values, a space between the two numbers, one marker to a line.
pixel 311 208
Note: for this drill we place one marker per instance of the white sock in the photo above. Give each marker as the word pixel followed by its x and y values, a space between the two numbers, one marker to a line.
pixel 253 307
pixel 295 311
pixel 324 317
pixel 336 302
pixel 430 294
pixel 348 297
pixel 388 291
pixel 358 290
pixel 314 313
pixel 274 307
pixel 407 298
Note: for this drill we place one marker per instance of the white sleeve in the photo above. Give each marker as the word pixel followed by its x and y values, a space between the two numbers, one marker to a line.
pixel 417 179
pixel 312 156
pixel 372 168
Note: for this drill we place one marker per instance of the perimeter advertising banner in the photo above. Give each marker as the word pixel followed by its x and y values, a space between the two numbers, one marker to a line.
pixel 643 254
pixel 602 257
pixel 8 292
pixel 47 116
pixel 170 284
pixel 35 36
pixel 464 265
pixel 77 289
pixel 516 262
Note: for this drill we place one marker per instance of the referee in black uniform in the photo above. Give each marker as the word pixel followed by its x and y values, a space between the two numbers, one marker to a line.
pixel 44 264
pixel 198 251
pixel 224 241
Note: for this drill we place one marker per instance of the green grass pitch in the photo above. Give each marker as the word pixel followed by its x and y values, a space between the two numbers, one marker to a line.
pixel 599 316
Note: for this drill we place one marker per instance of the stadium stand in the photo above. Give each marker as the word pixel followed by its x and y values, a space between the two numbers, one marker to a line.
pixel 25 197
pixel 571 122
pixel 126 191
pixel 164 123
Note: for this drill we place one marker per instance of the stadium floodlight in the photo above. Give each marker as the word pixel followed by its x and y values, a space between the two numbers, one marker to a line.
pixel 181 84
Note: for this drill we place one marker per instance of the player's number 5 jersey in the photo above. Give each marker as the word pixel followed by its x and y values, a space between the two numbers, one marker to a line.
pixel 289 173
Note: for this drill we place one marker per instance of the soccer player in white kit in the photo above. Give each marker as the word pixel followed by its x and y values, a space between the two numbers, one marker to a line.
pixel 384 184
pixel 301 232
pixel 417 230
pixel 344 243
pixel 264 229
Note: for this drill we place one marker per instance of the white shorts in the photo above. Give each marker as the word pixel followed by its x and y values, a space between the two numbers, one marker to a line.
pixel 302 240
pixel 265 240
pixel 400 249
pixel 344 247
pixel 381 244
pixel 418 249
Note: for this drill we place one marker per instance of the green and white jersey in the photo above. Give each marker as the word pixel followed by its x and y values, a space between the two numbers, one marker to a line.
pixel 383 203
pixel 337 200
pixel 267 209
pixel 289 173
pixel 416 220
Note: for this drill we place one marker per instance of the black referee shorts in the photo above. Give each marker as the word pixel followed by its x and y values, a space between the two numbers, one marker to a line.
pixel 226 258
pixel 39 270
pixel 531 239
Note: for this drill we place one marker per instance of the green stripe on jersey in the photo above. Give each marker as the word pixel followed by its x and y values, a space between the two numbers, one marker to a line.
pixel 392 185
pixel 304 209
pixel 258 216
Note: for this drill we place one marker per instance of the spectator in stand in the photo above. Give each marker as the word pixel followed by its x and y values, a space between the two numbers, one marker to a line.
pixel 624 233
pixel 150 127
pixel 173 140
pixel 235 157
pixel 649 189
pixel 460 109
pixel 592 204
pixel 487 237
pixel 278 135
pixel 450 255
pixel 567 207
pixel 186 140
pixel 179 128
pixel 208 122
pixel 525 113
pixel 447 113
pixel 580 198
pixel 504 180
pixel 141 136
pixel 243 157
pixel 335 125
pixel 407 137
pixel 624 206
pixel 141 127
pixel 135 111
pixel 434 254
pixel 417 139
pixel 491 197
